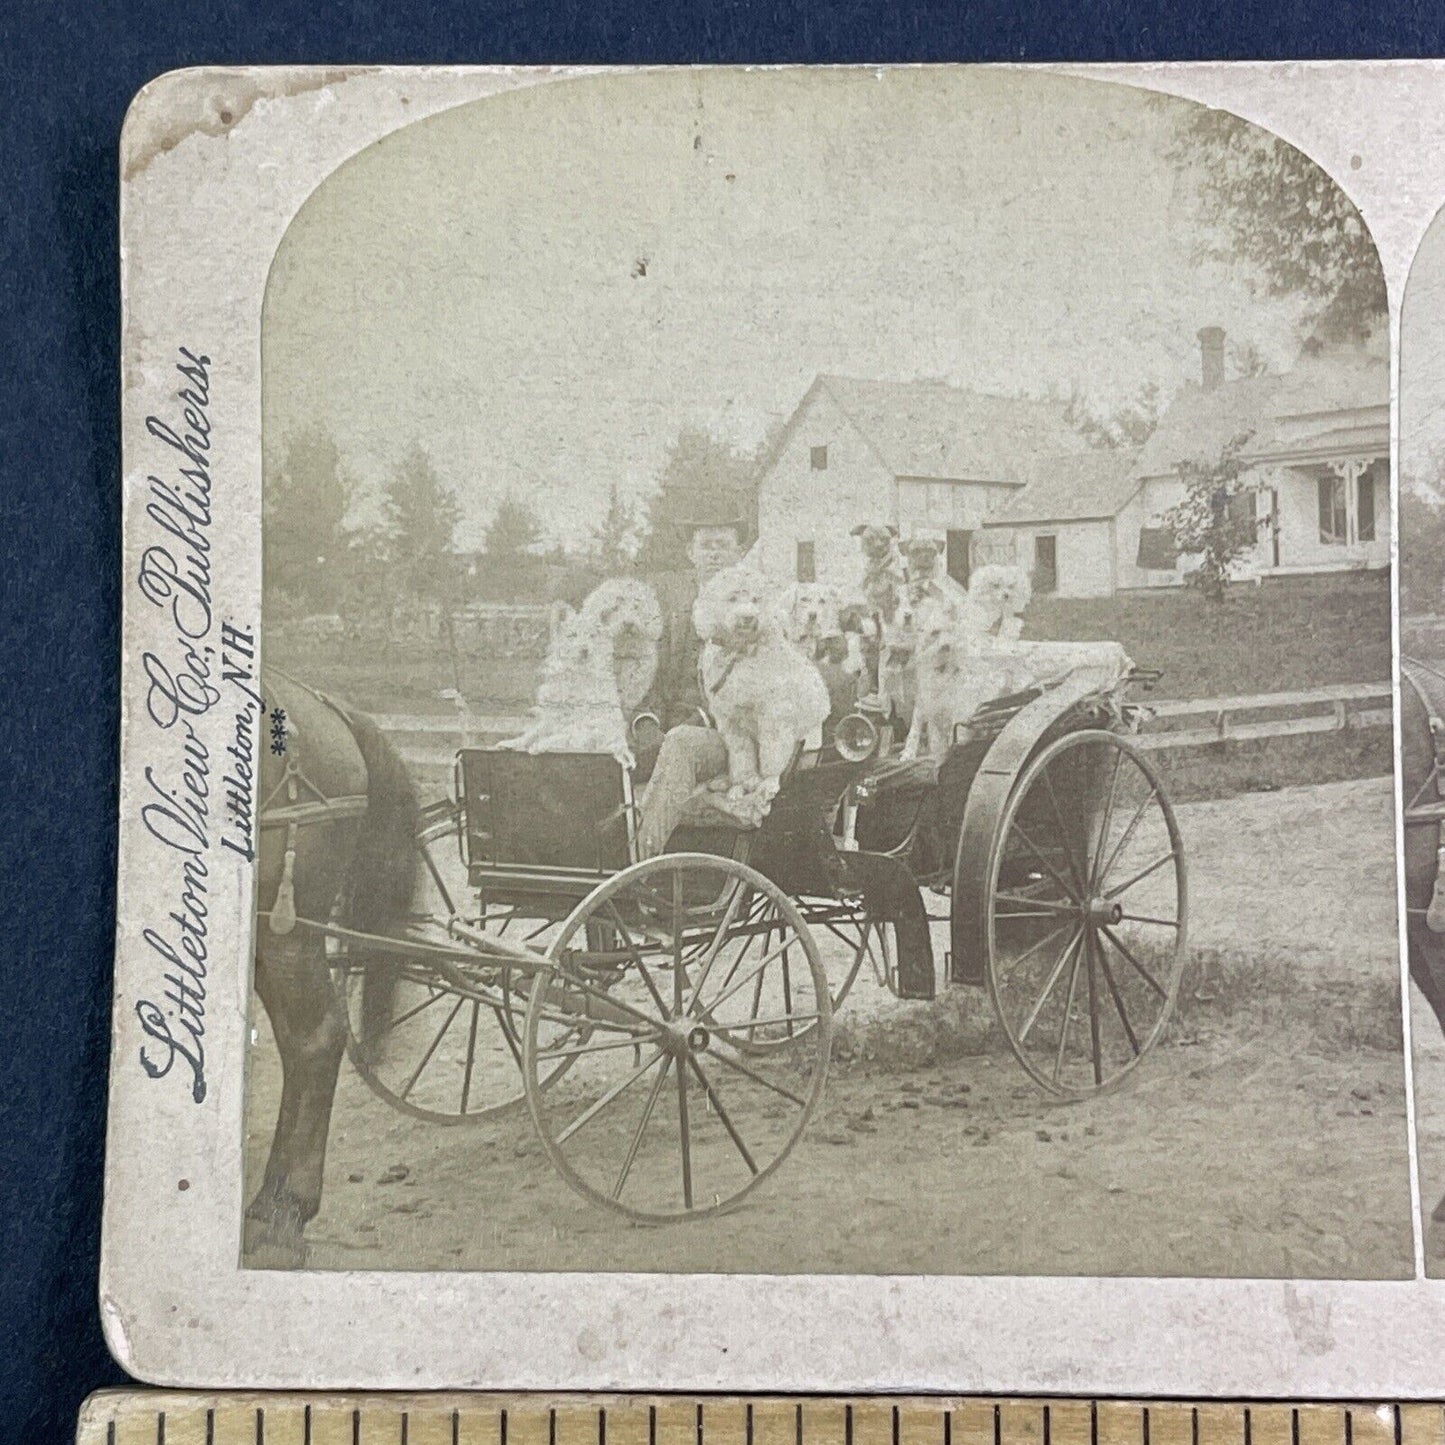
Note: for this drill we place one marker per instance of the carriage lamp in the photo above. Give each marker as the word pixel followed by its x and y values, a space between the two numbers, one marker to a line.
pixel 856 738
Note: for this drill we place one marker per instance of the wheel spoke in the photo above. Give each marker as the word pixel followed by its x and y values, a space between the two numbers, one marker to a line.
pixel 1144 918
pixel 580 1049
pixel 1053 978
pixel 1035 947
pixel 641 1129
pixel 715 947
pixel 1123 842
pixel 1068 1015
pixel 1118 1000
pixel 743 982
pixel 1134 962
pixel 471 1055
pixel 717 1107
pixel 677 1003
pixel 1105 822
pixel 411 1013
pixel 426 1058
pixel 1093 1007
pixel 1143 873
pixel 1048 905
pixel 684 1135
pixel 636 955
pixel 1049 867
pixel 757 1078
pixel 592 1111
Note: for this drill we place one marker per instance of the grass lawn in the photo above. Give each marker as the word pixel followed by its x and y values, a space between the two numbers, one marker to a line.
pixel 1285 635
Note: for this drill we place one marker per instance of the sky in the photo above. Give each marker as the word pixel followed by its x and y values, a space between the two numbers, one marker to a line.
pixel 543 288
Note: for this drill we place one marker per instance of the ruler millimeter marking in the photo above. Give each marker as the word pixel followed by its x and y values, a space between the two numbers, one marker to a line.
pixel 170 1417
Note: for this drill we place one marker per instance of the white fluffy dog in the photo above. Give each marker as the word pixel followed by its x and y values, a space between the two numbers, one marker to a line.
pixel 898 662
pixel 578 709
pixel 809 613
pixel 956 675
pixel 997 596
pixel 626 611
pixel 763 695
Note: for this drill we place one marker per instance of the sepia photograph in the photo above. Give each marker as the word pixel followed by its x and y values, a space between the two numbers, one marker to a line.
pixel 825 694
pixel 1422 709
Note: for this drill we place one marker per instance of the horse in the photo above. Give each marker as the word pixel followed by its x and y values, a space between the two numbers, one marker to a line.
pixel 337 824
pixel 1422 714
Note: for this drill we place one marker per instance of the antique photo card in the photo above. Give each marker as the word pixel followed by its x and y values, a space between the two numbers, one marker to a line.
pixel 779 681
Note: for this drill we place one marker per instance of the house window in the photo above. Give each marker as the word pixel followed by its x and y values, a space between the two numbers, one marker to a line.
pixel 1334 526
pixel 818 456
pixel 1046 563
pixel 1365 506
pixel 807 563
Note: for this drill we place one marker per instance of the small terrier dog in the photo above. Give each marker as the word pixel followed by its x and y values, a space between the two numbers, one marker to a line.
pixel 882 569
pixel 765 697
pixel 927 576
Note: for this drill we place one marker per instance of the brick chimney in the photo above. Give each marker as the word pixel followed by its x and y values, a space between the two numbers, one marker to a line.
pixel 1211 356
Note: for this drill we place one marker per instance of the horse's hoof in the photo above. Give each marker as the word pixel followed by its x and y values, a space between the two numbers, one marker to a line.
pixel 271 1244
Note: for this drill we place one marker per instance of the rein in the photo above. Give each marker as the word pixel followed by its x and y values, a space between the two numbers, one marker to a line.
pixel 305 805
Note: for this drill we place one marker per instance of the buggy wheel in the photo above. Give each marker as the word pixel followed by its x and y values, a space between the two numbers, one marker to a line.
pixel 446 1045
pixel 1087 913
pixel 664 1114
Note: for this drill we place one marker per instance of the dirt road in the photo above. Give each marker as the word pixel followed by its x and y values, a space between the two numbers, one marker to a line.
pixel 1266 1137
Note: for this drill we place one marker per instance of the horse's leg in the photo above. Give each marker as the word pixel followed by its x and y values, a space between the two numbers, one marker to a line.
pixel 295 986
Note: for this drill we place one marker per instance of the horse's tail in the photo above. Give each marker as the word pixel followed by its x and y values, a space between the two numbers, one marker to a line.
pixel 384 870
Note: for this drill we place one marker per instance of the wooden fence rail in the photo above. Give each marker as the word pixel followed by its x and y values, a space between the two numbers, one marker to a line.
pixel 431 741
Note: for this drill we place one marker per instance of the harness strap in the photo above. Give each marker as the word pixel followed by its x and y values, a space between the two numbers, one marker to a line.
pixel 1417 813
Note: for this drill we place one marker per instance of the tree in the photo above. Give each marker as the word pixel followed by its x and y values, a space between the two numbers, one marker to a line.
pixel 615 542
pixel 1216 519
pixel 304 501
pixel 421 516
pixel 1266 204
pixel 702 474
pixel 1131 425
pixel 1422 551
pixel 513 570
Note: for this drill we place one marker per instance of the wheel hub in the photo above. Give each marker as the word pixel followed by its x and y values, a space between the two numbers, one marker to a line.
pixel 681 1037
pixel 1104 912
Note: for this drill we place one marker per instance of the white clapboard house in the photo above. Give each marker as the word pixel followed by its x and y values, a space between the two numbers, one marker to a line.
pixel 1009 479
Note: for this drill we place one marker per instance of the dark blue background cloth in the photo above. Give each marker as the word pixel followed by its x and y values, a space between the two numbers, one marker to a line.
pixel 69 71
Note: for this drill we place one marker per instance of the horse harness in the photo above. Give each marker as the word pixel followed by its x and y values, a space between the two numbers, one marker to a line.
pixel 1427 807
pixel 304 805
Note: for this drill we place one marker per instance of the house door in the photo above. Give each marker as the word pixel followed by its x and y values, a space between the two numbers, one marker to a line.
pixel 1046 563
pixel 956 559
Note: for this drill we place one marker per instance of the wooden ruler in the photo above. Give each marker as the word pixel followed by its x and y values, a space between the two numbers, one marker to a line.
pixel 163 1417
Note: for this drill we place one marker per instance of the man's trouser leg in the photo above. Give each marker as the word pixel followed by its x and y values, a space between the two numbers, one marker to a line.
pixel 688 758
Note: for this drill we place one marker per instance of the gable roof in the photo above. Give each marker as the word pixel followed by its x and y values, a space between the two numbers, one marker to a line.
pixel 932 429
pixel 1275 410
pixel 1073 487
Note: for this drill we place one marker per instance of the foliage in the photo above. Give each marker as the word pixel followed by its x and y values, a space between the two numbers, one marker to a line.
pixel 702 475
pixel 512 568
pixel 616 541
pixel 1266 204
pixel 1131 425
pixel 421 515
pixel 1422 551
pixel 1216 518
pixel 304 501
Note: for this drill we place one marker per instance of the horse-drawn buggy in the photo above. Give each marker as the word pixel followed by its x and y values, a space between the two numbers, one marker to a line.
pixel 669 1021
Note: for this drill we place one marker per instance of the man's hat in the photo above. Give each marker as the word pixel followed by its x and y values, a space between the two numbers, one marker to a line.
pixel 719 514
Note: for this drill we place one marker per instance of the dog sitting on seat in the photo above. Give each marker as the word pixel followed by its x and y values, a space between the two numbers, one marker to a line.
pixel 625 610
pixel 927 577
pixel 955 675
pixel 765 697
pixel 578 709
pixel 996 598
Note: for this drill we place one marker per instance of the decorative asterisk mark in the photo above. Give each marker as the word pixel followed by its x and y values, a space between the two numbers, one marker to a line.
pixel 278 731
